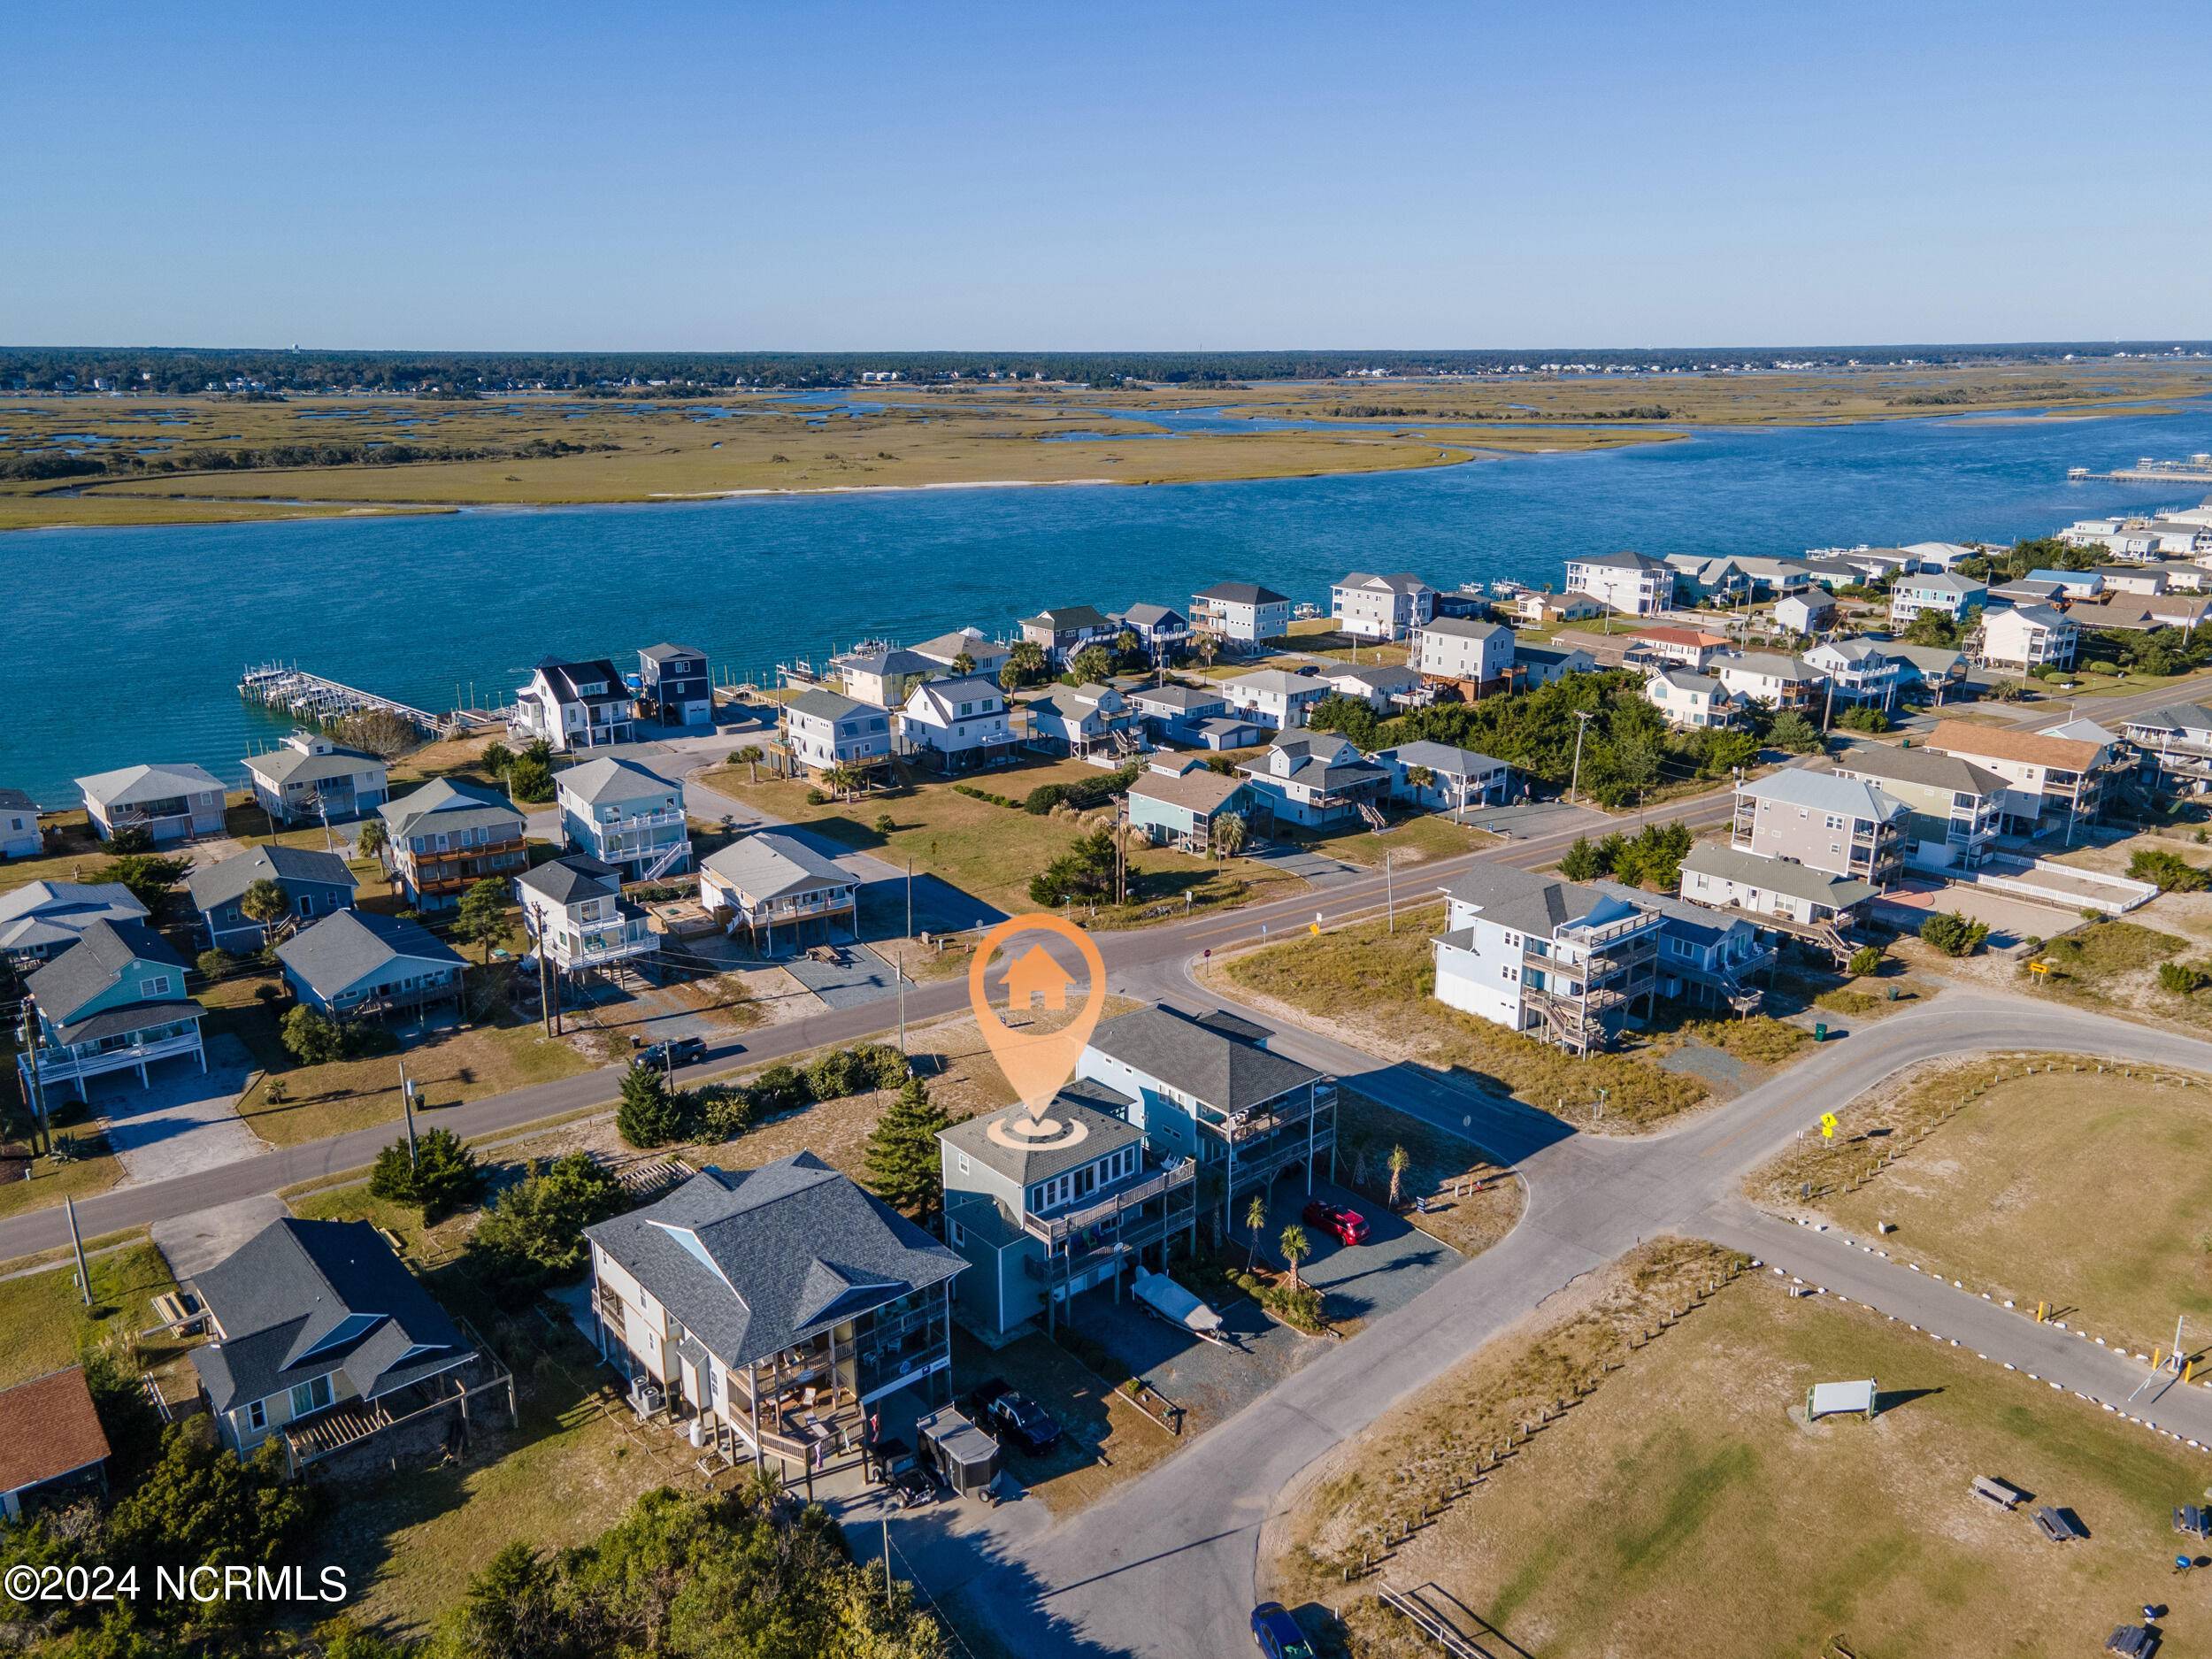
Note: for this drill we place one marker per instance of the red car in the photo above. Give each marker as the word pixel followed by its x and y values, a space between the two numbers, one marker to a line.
pixel 1345 1226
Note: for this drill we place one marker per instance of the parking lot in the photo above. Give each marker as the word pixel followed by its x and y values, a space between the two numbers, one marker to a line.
pixel 2010 919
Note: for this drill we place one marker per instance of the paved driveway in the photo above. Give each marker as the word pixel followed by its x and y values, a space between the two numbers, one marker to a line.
pixel 1318 869
pixel 859 976
pixel 1361 1283
pixel 185 1121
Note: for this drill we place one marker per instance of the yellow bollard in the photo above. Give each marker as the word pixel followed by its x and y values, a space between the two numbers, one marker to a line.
pixel 2157 1354
pixel 2188 1370
pixel 2040 1308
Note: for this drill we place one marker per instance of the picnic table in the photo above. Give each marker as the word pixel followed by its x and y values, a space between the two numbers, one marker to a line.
pixel 2193 1520
pixel 2003 1493
pixel 2135 1641
pixel 2059 1525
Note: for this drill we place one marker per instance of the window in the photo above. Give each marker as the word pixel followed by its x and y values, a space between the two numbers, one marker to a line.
pixel 157 986
pixel 309 1396
pixel 257 1417
pixel 955 1234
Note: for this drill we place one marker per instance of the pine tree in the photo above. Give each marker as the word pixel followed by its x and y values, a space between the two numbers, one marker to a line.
pixel 903 1164
pixel 648 1115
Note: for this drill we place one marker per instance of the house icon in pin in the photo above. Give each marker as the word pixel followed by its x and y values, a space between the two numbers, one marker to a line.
pixel 1035 976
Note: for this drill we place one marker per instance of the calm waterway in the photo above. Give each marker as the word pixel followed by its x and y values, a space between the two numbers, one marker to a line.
pixel 122 645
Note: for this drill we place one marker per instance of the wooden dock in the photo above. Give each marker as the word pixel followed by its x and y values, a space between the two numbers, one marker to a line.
pixel 313 700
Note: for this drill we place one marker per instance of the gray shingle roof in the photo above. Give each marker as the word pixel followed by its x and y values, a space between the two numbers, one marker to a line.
pixel 347 946
pixel 1096 1107
pixel 285 765
pixel 667 652
pixel 453 804
pixel 211 885
pixel 1244 593
pixel 1440 757
pixel 574 878
pixel 1181 698
pixel 41 913
pixel 1775 875
pixel 768 864
pixel 1464 628
pixel 1147 615
pixel 1523 899
pixel 608 781
pixel 1396 582
pixel 751 1263
pixel 1062 618
pixel 827 705
pixel 131 785
pixel 1925 766
pixel 1224 1073
pixel 95 963
pixel 302 1298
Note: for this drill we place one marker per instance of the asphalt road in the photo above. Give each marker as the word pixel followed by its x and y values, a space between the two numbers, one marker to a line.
pixel 1126 955
pixel 1167 1565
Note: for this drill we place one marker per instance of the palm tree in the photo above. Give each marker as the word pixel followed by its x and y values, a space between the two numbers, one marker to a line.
pixel 963 663
pixel 841 779
pixel 371 840
pixel 1027 658
pixel 752 757
pixel 1208 647
pixel 1296 1247
pixel 1228 834
pixel 1255 1219
pixel 1400 1161
pixel 1419 778
pixel 263 902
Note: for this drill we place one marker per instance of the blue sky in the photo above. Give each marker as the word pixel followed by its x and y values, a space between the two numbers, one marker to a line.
pixel 1106 176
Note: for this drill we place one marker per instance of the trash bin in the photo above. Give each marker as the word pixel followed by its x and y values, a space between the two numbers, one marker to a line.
pixel 1820 1032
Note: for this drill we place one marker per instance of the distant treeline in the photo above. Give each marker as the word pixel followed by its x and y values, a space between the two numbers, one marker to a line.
pixel 1400 411
pixel 49 463
pixel 463 374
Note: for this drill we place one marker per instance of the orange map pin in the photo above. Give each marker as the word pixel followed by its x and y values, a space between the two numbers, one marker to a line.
pixel 1036 1063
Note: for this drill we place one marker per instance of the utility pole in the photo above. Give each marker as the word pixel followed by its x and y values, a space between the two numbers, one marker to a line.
pixel 84 1273
pixel 407 1107
pixel 42 1126
pixel 1828 719
pixel 545 989
pixel 1390 901
pixel 1582 724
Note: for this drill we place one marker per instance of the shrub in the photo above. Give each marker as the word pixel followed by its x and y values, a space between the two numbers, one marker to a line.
pixel 2181 979
pixel 837 1073
pixel 1954 934
pixel 885 823
pixel 779 1088
pixel 1865 960
pixel 215 964
pixel 2169 872
pixel 313 1038
pixel 532 1235
pixel 724 1113
pixel 440 1178
pixel 1864 719
pixel 886 1066
pixel 815 797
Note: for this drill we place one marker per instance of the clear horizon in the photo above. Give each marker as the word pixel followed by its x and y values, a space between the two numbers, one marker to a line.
pixel 855 179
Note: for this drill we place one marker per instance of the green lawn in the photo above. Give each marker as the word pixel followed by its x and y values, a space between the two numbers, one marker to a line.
pixel 1376 983
pixel 989 851
pixel 1717 1521
pixel 1996 1196
pixel 44 1323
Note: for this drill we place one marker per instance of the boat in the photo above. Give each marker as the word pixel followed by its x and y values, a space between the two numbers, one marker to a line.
pixel 1178 1306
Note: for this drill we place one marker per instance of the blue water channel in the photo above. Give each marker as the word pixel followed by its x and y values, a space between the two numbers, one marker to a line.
pixel 125 645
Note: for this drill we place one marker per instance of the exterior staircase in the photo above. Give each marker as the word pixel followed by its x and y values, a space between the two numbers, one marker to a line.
pixel 668 861
pixel 1371 815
